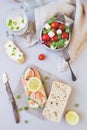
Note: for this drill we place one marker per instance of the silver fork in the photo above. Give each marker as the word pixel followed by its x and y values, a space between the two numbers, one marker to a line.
pixel 67 59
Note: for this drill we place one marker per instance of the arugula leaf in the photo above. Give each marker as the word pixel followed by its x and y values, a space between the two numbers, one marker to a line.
pixel 67 29
pixel 61 43
pixel 51 20
pixel 59 36
pixel 53 45
pixel 44 31
pixel 58 44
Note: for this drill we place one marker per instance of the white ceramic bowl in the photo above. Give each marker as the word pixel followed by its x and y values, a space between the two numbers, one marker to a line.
pixel 60 49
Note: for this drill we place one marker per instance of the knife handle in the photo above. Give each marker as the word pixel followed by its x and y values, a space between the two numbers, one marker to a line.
pixel 15 110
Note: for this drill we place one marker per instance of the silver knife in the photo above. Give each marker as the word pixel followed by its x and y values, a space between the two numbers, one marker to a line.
pixel 11 97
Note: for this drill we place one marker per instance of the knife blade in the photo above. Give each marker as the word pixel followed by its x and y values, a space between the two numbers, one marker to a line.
pixel 11 97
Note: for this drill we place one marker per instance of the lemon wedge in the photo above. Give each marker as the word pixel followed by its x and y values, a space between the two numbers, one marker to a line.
pixel 72 118
pixel 34 84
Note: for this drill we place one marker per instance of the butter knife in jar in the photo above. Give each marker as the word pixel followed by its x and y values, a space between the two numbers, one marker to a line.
pixel 11 97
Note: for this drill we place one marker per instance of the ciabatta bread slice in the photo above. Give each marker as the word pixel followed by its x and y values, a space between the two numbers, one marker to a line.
pixel 57 101
pixel 13 52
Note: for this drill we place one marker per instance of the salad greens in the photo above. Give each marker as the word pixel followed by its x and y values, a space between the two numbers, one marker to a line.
pixel 58 44
pixel 51 20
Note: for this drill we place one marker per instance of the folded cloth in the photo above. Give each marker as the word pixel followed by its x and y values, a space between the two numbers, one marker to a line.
pixel 74 10
pixel 29 38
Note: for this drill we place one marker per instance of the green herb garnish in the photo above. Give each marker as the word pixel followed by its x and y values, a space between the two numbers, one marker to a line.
pixel 9 22
pixel 17 28
pixel 11 28
pixel 13 54
pixel 18 96
pixel 46 78
pixel 39 107
pixel 14 48
pixel 76 105
pixel 19 55
pixel 51 20
pixel 9 45
pixel 15 23
pixel 26 108
pixel 22 20
pixel 20 109
pixel 28 98
pixel 26 121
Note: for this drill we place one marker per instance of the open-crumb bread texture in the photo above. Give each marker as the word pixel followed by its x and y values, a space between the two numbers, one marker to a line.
pixel 57 101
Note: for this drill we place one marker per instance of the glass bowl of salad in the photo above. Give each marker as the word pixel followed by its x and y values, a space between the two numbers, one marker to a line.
pixel 55 35
pixel 16 21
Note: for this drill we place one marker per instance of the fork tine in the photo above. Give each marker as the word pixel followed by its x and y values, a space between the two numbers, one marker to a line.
pixel 67 59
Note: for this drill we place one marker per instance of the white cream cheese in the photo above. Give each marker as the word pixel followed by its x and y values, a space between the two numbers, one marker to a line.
pixel 13 51
pixel 16 23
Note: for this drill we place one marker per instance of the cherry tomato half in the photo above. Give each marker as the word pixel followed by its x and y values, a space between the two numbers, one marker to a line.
pixel 55 25
pixel 47 43
pixel 62 26
pixel 54 38
pixel 41 57
pixel 45 37
pixel 65 35
pixel 54 30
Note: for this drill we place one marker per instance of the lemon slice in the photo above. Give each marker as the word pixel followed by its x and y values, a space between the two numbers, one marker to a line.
pixel 72 118
pixel 34 84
